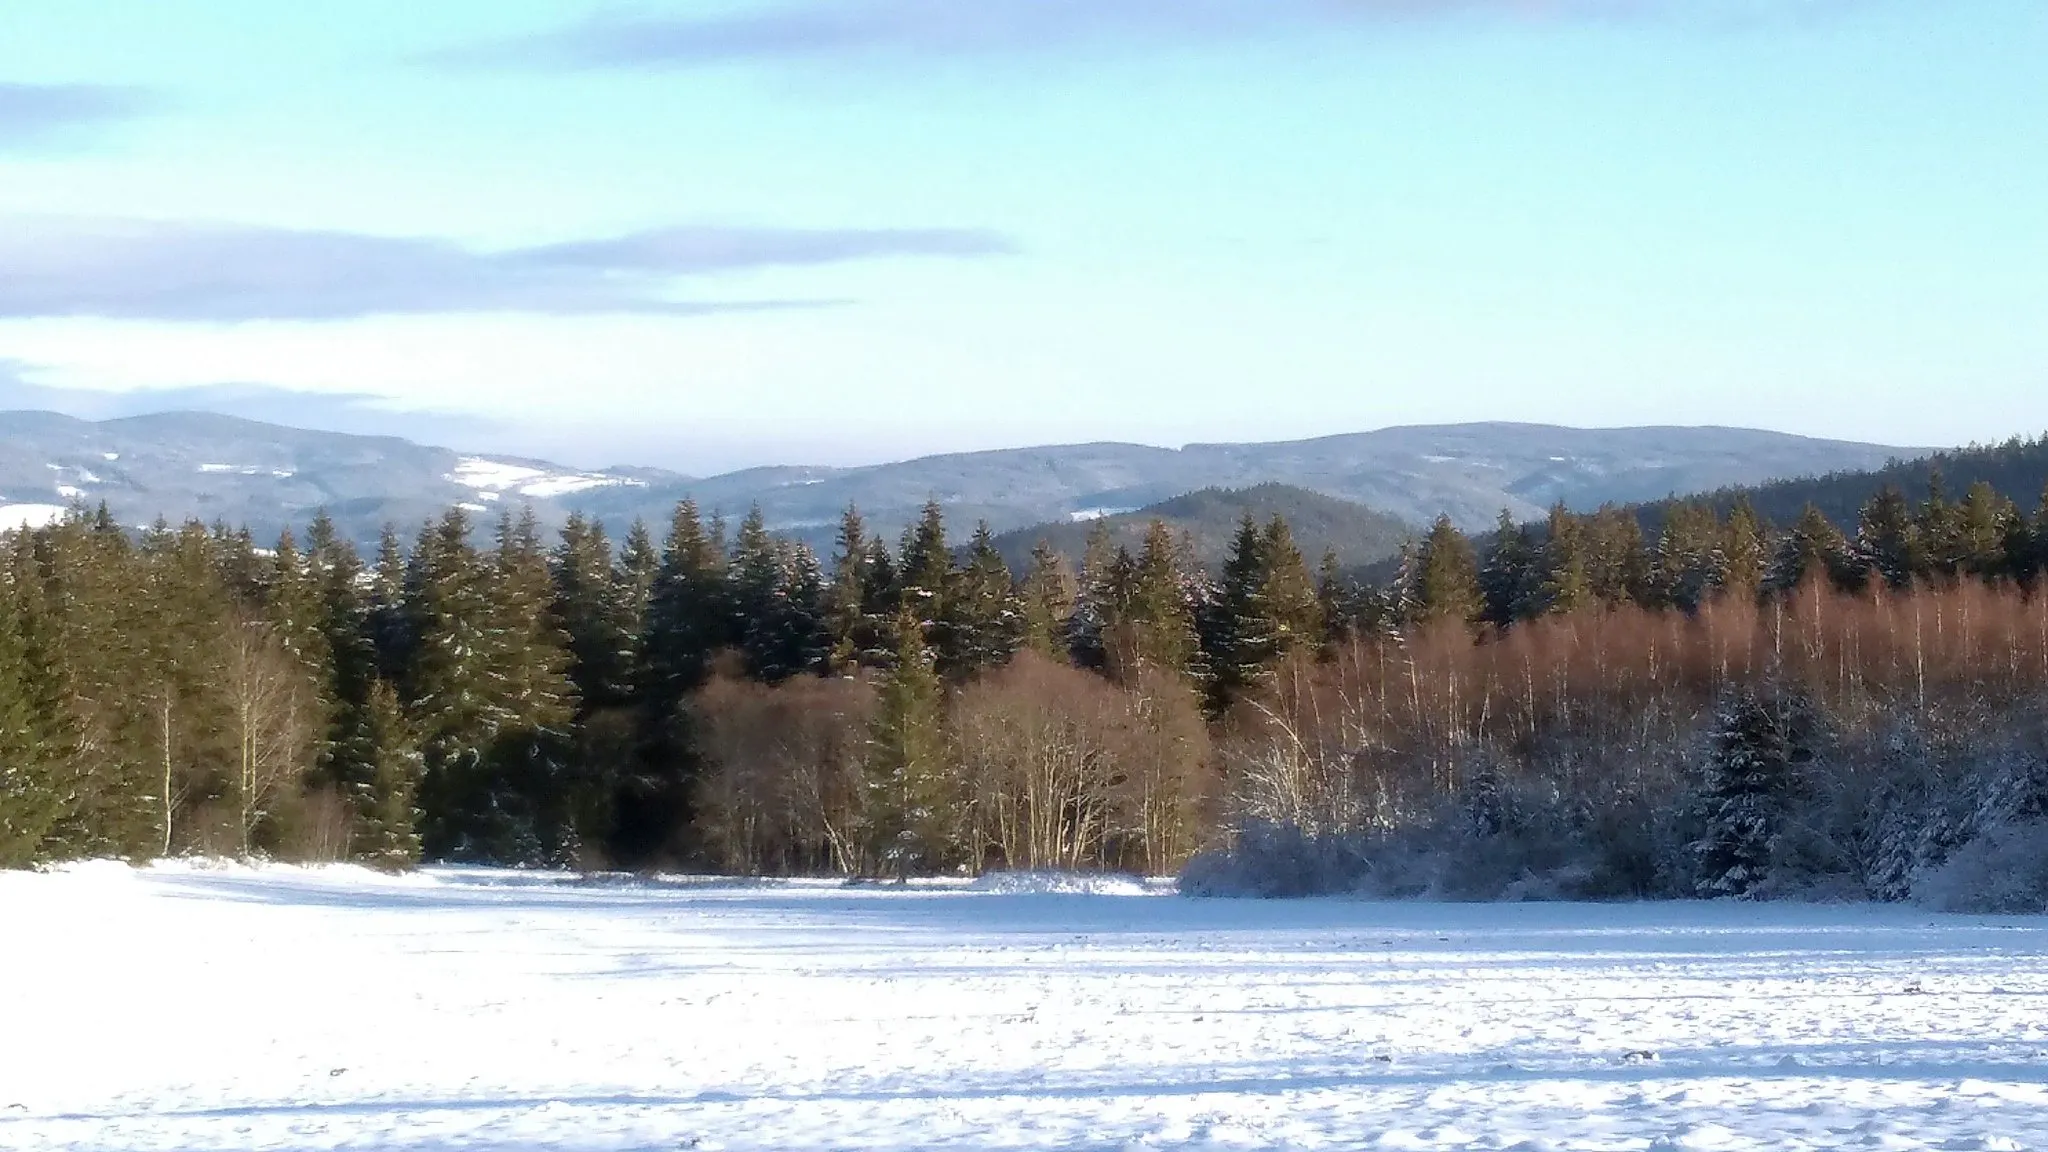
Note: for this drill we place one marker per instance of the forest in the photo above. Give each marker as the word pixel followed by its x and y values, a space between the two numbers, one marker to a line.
pixel 1581 708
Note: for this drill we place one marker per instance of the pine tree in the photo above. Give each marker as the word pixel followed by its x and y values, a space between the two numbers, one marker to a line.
pixel 925 570
pixel 1745 553
pixel 907 809
pixel 1981 532
pixel 1690 564
pixel 1510 580
pixel 846 606
pixel 1567 570
pixel 1096 592
pixel 1046 603
pixel 1337 605
pixel 1755 749
pixel 387 822
pixel 1617 562
pixel 982 623
pixel 1940 529
pixel 31 790
pixel 756 583
pixel 593 609
pixel 344 619
pixel 688 613
pixel 1813 550
pixel 1289 591
pixel 1888 541
pixel 1442 582
pixel 1241 638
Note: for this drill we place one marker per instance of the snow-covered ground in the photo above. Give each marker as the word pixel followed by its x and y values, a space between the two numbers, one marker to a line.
pixel 13 516
pixel 187 1008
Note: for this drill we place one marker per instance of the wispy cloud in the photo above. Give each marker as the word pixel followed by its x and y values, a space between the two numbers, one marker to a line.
pixel 139 270
pixel 799 29
pixel 36 113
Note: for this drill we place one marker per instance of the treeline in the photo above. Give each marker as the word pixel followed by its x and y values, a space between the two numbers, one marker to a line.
pixel 1581 707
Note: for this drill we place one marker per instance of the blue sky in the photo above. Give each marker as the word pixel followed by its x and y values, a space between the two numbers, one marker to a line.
pixel 715 233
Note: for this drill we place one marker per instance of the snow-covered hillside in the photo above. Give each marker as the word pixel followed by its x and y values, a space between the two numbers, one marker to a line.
pixel 183 1008
pixel 14 516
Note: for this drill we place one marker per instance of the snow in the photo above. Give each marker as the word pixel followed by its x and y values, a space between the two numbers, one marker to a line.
pixel 68 492
pixel 1082 515
pixel 492 478
pixel 13 516
pixel 221 1007
pixel 218 468
pixel 110 456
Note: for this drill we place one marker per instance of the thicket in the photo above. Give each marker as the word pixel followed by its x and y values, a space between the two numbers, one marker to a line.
pixel 1718 708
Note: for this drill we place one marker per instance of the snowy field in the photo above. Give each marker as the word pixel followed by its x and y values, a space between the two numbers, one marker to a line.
pixel 235 1009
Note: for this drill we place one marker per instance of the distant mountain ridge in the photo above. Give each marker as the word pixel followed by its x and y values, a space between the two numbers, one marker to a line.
pixel 183 464
pixel 1208 521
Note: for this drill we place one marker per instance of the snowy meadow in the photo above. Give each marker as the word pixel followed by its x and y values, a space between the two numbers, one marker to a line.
pixel 187 1007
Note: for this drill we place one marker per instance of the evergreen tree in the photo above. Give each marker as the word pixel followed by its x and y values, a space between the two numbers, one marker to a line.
pixel 1095 599
pixel 1755 749
pixel 492 697
pixel 1745 551
pixel 1888 541
pixel 1690 564
pixel 1981 532
pixel 907 809
pixel 982 623
pixel 387 821
pixel 1151 620
pixel 32 752
pixel 846 601
pixel 1617 562
pixel 925 570
pixel 1813 550
pixel 1046 603
pixel 1510 580
pixel 1289 591
pixel 593 609
pixel 1241 637
pixel 1567 569
pixel 1940 529
pixel 688 618
pixel 1442 582
pixel 1337 606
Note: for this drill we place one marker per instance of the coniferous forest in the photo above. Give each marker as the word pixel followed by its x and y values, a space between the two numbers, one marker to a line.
pixel 1715 705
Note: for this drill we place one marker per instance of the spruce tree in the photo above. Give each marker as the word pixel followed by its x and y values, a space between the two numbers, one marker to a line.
pixel 846 600
pixel 387 819
pixel 981 624
pixel 1337 606
pixel 907 803
pixel 1443 580
pixel 1690 564
pixel 1888 541
pixel 1756 747
pixel 31 790
pixel 925 569
pixel 1046 603
pixel 1510 579
pixel 1745 552
pixel 1096 592
pixel 1813 550
pixel 1567 569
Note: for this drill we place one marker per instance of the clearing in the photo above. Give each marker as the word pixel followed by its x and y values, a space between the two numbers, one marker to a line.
pixel 185 1007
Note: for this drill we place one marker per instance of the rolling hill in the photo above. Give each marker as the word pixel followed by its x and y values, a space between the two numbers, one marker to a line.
pixel 215 467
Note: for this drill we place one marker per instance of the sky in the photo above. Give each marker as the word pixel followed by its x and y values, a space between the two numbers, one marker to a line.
pixel 710 234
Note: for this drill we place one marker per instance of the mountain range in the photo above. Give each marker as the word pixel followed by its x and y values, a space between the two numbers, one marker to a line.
pixel 178 465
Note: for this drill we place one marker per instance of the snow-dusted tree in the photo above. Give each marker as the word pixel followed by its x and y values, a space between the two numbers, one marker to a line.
pixel 1755 748
pixel 908 805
